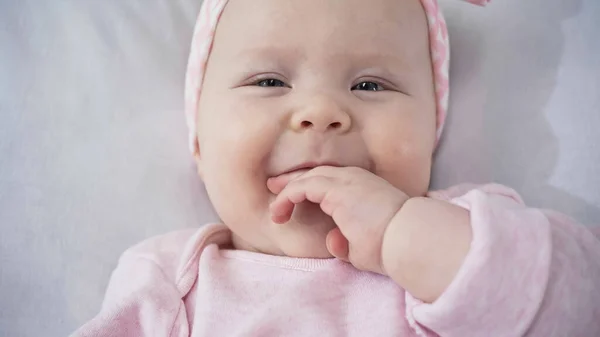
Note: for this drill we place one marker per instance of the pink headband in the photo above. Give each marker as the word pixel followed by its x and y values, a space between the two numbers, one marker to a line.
pixel 207 24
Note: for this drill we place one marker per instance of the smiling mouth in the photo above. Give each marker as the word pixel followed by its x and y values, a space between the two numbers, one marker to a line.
pixel 281 180
pixel 305 167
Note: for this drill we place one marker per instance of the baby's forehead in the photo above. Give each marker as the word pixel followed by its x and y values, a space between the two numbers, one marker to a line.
pixel 336 26
pixel 310 9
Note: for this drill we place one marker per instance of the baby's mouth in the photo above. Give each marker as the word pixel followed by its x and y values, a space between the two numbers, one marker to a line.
pixel 277 183
pixel 306 213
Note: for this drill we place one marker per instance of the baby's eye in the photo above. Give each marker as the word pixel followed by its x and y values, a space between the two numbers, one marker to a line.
pixel 270 82
pixel 368 86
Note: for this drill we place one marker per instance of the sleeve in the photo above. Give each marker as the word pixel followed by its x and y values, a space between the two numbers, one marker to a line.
pixel 528 273
pixel 139 301
pixel 145 292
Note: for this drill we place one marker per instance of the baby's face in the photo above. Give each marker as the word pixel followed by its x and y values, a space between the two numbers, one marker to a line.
pixel 298 83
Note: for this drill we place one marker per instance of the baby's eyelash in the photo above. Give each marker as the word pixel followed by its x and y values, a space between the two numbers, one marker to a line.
pixel 369 86
pixel 270 83
pixel 267 80
pixel 374 83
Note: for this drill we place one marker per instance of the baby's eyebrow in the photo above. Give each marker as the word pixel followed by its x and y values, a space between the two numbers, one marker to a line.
pixel 267 52
pixel 378 58
pixel 365 58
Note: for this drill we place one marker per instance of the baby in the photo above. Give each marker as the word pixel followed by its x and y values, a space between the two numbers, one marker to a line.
pixel 313 126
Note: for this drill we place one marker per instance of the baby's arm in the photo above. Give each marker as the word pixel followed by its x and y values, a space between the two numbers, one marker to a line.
pixel 489 266
pixel 143 297
pixel 138 302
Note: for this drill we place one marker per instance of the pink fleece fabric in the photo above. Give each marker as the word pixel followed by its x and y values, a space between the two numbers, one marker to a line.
pixel 528 272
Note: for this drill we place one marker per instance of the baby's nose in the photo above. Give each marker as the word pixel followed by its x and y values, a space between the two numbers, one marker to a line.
pixel 322 115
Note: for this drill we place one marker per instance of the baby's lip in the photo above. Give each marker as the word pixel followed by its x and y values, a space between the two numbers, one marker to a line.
pixel 309 165
pixel 276 183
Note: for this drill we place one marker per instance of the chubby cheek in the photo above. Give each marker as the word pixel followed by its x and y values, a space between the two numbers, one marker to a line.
pixel 402 153
pixel 231 185
pixel 410 169
pixel 233 152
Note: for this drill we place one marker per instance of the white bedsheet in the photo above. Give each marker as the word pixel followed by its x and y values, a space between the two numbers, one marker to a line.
pixel 93 154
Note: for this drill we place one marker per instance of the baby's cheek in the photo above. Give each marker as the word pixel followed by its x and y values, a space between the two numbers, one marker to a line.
pixel 235 193
pixel 235 172
pixel 405 162
pixel 411 175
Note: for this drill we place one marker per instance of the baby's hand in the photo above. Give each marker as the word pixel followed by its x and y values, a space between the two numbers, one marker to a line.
pixel 361 204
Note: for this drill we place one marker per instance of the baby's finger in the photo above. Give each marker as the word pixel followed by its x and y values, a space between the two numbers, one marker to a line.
pixel 313 189
pixel 337 244
pixel 277 184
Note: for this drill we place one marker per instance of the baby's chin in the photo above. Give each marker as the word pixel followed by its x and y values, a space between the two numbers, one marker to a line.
pixel 302 237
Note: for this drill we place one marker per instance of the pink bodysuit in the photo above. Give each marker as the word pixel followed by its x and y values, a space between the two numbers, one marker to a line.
pixel 528 272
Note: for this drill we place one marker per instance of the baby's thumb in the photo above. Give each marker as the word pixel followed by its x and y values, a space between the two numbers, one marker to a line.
pixel 337 245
